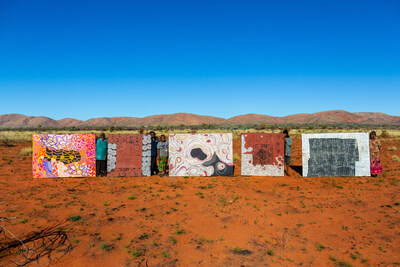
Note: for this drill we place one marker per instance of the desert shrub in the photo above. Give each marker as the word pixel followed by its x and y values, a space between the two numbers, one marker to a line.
pixel 26 151
pixel 393 148
pixel 158 128
pixel 385 134
pixel 262 126
pixel 240 251
pixel 319 246
pixel 172 181
pixel 166 254
pixel 8 138
pixel 105 247
pixel 75 218
pixel 6 142
pixel 396 158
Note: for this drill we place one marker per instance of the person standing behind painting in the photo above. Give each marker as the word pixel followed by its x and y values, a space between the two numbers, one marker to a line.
pixel 162 155
pixel 154 142
pixel 374 153
pixel 288 150
pixel 101 155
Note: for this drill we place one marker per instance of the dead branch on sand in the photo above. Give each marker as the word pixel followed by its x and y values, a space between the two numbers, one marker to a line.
pixel 283 236
pixel 33 246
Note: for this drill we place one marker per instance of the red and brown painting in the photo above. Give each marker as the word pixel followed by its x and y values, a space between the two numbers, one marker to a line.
pixel 262 154
pixel 128 155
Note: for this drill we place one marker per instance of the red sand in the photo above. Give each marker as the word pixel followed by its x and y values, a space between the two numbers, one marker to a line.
pixel 211 221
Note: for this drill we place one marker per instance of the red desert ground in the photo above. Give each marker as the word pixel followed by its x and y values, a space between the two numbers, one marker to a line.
pixel 205 221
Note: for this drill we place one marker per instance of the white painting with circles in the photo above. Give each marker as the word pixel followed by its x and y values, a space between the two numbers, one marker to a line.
pixel 205 154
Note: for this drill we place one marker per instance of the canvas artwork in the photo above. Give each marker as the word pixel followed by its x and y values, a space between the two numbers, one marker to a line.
pixel 262 154
pixel 201 154
pixel 63 155
pixel 128 155
pixel 336 154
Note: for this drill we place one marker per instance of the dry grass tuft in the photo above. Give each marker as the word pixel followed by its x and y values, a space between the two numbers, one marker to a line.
pixel 385 134
pixel 396 158
pixel 26 151
pixel 172 181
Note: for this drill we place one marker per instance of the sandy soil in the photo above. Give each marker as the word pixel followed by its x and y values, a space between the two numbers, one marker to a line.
pixel 215 221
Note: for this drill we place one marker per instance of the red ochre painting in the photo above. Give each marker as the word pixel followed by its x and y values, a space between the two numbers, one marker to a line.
pixel 128 155
pixel 262 154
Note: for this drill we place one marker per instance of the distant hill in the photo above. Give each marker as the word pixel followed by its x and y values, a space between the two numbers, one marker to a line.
pixel 325 117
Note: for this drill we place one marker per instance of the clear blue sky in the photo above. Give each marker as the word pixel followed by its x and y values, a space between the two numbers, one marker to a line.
pixel 85 59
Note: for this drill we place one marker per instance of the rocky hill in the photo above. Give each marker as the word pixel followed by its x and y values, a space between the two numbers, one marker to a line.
pixel 325 117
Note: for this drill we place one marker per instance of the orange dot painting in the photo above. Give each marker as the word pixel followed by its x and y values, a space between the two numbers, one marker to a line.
pixel 63 155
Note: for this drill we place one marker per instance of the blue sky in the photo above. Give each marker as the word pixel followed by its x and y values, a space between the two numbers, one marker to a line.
pixel 85 59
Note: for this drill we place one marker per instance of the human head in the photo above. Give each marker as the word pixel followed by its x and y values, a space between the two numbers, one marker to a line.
pixel 153 134
pixel 286 133
pixel 102 136
pixel 162 138
pixel 372 135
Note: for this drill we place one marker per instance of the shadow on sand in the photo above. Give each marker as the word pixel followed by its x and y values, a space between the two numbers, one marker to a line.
pixel 298 169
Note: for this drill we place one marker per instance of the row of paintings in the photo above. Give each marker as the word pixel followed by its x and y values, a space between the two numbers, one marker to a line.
pixel 201 154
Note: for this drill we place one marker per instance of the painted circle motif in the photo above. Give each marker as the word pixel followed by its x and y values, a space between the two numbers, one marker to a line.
pixel 221 166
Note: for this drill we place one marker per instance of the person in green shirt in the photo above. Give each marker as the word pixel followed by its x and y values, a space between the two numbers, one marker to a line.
pixel 288 150
pixel 101 155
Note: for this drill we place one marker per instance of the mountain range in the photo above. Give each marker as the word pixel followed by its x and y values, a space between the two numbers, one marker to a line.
pixel 325 117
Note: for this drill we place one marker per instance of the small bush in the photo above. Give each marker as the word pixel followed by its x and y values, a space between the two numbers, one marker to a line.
pixel 396 158
pixel 179 231
pixel 105 247
pixel 319 246
pixel 75 218
pixel 165 254
pixel 137 253
pixel 172 239
pixel 385 134
pixel 241 251
pixel 6 142
pixel 332 258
